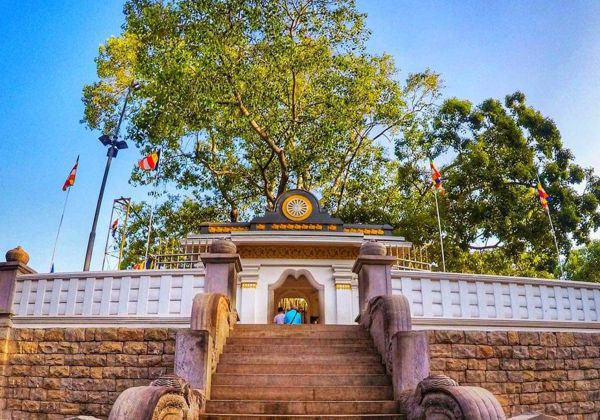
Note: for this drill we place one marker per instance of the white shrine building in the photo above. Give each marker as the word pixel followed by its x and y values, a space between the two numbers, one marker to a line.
pixel 299 253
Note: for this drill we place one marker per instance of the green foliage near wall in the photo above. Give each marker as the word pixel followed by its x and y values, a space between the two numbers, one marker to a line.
pixel 174 218
pixel 584 263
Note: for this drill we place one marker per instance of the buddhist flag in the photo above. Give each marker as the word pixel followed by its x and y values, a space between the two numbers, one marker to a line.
pixel 543 195
pixel 436 176
pixel 114 227
pixel 150 162
pixel 71 178
pixel 139 266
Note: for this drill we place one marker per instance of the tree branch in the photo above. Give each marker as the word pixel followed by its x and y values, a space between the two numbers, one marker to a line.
pixel 263 173
pixel 262 133
pixel 483 247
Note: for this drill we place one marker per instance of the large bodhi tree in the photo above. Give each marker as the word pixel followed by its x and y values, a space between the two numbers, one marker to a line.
pixel 249 98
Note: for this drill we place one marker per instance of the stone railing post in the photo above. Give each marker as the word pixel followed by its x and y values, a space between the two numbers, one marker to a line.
pixel 15 265
pixel 388 319
pixel 183 394
pixel 374 269
pixel 405 352
pixel 221 266
pixel 197 349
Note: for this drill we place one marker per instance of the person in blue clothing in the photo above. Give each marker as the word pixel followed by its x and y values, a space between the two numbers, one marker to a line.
pixel 293 316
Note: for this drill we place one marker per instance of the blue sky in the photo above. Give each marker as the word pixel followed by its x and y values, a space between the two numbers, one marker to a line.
pixel 550 50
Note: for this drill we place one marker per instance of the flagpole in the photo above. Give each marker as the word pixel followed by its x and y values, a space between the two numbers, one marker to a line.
pixel 547 208
pixel 108 235
pixel 152 213
pixel 58 232
pixel 123 235
pixel 555 242
pixel 437 210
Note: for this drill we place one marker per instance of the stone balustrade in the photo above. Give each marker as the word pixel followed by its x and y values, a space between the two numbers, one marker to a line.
pixel 162 296
pixel 437 300
pixel 497 302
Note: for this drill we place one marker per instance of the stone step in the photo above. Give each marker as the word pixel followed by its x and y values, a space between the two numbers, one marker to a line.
pixel 297 349
pixel 309 368
pixel 318 417
pixel 256 358
pixel 299 331
pixel 287 333
pixel 302 393
pixel 302 407
pixel 287 380
pixel 303 341
pixel 311 327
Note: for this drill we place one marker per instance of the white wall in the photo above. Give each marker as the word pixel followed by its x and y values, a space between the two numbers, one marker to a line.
pixel 460 300
pixel 253 306
pixel 438 300
pixel 148 293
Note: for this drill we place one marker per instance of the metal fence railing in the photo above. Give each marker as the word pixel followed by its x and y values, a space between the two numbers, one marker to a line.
pixel 410 258
pixel 178 254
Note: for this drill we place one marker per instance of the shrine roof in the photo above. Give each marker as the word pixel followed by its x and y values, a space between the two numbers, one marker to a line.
pixel 297 211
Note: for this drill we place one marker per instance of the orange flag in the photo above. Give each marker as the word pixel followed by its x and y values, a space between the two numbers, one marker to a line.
pixel 71 178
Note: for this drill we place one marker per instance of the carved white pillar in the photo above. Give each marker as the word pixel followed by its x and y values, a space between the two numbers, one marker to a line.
pixel 343 280
pixel 247 295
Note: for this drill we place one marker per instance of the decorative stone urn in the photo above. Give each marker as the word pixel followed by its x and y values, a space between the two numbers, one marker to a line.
pixel 372 248
pixel 222 246
pixel 17 254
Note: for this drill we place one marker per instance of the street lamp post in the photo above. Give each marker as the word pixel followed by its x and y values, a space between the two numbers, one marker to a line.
pixel 114 145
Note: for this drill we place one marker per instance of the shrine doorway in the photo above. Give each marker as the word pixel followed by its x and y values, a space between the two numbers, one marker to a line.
pixel 299 288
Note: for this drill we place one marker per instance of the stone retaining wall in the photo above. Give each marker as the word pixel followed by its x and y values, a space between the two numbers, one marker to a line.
pixel 557 373
pixel 54 373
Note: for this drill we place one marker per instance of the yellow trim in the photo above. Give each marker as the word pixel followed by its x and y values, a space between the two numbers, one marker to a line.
pixel 303 216
pixel 343 286
pixel 226 229
pixel 249 285
pixel 296 226
pixel 298 252
pixel 365 231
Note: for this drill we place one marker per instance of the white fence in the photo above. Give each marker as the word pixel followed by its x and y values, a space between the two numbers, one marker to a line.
pixel 140 294
pixel 438 300
pixel 461 300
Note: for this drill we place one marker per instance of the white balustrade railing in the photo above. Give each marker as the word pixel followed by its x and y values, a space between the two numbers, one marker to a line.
pixel 139 294
pixel 468 299
pixel 438 300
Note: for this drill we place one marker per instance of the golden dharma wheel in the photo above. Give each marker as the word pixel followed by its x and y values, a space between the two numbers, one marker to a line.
pixel 297 208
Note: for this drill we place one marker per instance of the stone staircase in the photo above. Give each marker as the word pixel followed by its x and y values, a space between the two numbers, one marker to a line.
pixel 301 371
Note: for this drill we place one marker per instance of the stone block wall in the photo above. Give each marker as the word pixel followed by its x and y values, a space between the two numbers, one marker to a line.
pixel 557 373
pixel 58 372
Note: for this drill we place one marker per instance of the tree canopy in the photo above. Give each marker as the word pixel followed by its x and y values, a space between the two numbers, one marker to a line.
pixel 495 154
pixel 249 98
